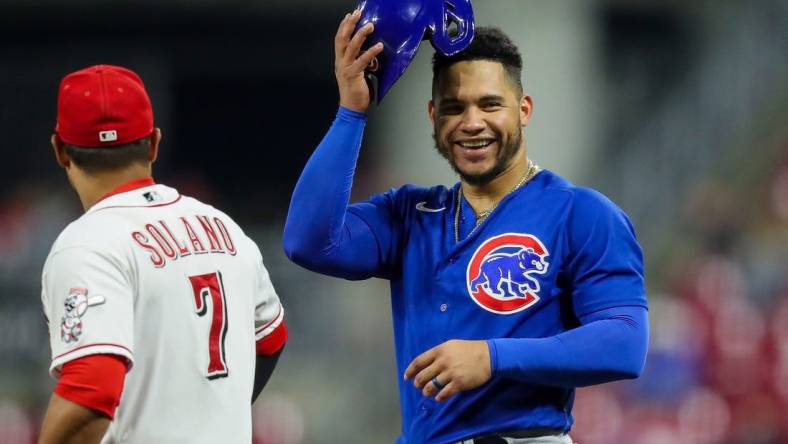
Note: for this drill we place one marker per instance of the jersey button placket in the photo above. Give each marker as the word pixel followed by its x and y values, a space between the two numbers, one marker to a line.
pixel 447 286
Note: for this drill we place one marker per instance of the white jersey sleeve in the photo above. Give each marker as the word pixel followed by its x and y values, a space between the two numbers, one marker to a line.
pixel 269 313
pixel 88 302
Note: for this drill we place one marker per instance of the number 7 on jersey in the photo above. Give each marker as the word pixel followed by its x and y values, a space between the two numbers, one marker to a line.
pixel 205 286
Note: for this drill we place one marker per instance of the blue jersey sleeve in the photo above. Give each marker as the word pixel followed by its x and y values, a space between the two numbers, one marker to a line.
pixel 605 267
pixel 605 276
pixel 320 233
pixel 611 344
pixel 382 219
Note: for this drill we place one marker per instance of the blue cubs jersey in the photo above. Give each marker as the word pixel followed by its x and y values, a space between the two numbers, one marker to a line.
pixel 548 254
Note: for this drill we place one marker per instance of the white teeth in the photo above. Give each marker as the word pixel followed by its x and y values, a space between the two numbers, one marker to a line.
pixel 474 143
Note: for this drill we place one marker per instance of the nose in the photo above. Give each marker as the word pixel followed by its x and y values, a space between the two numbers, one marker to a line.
pixel 472 121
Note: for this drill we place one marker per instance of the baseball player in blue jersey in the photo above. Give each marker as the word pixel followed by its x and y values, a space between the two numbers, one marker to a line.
pixel 509 289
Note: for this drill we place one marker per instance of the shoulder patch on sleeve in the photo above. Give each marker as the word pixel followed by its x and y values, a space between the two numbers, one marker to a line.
pixel 75 305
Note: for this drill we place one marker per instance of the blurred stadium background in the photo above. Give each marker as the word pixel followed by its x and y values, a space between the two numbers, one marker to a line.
pixel 676 110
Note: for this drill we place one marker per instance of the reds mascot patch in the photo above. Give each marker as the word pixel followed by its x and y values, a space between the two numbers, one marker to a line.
pixel 500 275
pixel 75 306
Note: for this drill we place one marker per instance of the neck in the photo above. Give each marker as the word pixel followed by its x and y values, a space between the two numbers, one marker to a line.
pixel 91 188
pixel 483 197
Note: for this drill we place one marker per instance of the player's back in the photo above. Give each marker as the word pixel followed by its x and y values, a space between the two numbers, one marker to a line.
pixel 194 282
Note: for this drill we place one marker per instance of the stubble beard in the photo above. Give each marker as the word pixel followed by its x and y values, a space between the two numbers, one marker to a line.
pixel 502 160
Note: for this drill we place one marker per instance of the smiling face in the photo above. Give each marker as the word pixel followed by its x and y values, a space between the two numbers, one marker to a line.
pixel 478 114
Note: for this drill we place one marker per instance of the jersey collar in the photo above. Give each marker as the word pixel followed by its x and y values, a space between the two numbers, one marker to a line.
pixel 129 186
pixel 143 192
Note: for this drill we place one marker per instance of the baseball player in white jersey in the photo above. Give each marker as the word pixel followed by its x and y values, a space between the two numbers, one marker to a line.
pixel 150 294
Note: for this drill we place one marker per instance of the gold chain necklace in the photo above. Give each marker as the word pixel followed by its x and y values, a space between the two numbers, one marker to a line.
pixel 482 215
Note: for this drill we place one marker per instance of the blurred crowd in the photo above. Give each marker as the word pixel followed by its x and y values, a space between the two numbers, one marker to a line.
pixel 717 369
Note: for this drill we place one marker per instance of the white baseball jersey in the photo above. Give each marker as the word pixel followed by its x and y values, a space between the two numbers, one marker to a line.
pixel 175 287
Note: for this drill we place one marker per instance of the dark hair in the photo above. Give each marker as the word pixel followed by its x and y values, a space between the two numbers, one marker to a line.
pixel 96 160
pixel 488 43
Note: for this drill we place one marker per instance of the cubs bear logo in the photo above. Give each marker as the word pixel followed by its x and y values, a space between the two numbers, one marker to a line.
pixel 500 275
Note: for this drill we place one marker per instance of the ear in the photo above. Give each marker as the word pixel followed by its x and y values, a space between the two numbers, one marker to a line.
pixel 431 111
pixel 60 153
pixel 155 138
pixel 526 109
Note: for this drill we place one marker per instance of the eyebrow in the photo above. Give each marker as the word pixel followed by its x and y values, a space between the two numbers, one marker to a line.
pixel 491 97
pixel 485 98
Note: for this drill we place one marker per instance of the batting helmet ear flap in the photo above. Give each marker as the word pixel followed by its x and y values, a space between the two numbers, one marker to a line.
pixel 455 32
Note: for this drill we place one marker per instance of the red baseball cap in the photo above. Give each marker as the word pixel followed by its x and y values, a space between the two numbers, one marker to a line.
pixel 103 106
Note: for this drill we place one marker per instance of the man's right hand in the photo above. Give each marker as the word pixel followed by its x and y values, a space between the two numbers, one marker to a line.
pixel 349 64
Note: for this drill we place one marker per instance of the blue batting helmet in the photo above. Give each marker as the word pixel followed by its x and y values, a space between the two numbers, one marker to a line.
pixel 401 25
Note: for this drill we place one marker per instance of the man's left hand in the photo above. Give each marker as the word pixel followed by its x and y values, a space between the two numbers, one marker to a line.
pixel 456 365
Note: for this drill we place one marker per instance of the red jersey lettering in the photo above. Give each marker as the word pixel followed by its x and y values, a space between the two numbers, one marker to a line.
pixel 228 241
pixel 197 245
pixel 142 241
pixel 210 232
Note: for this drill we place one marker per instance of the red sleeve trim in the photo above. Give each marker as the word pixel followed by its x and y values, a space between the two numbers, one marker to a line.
pixel 94 382
pixel 273 342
